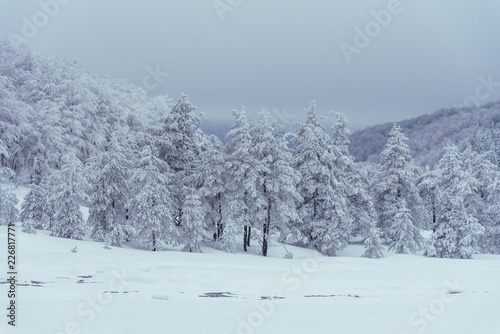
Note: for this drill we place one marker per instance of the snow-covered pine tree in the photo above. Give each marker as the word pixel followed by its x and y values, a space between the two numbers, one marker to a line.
pixel 8 200
pixel 69 194
pixel 457 231
pixel 33 210
pixel 315 187
pixel 373 245
pixel 482 201
pixel 193 228
pixel 208 180
pixel 426 185
pixel 324 167
pixel 109 172
pixel 351 201
pixel 152 208
pixel 240 179
pixel 396 178
pixel 277 195
pixel 405 237
pixel 180 141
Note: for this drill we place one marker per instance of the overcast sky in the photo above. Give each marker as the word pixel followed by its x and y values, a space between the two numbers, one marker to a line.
pixel 280 54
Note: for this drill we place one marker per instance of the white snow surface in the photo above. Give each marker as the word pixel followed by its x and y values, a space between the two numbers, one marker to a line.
pixel 128 290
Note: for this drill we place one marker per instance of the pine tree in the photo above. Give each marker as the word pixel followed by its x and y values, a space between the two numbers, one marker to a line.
pixel 313 161
pixel 426 184
pixel 373 245
pixel 481 202
pixel 240 180
pixel 396 179
pixel 405 237
pixel 180 141
pixel 152 209
pixel 33 210
pixel 8 200
pixel 193 232
pixel 107 212
pixel 208 179
pixel 69 195
pixel 277 195
pixel 457 232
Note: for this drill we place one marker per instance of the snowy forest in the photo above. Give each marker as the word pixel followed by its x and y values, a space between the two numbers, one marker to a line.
pixel 149 175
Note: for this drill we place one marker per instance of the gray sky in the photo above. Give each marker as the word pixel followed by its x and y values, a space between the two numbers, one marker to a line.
pixel 280 54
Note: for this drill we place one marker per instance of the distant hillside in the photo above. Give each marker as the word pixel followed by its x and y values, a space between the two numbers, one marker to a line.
pixel 428 133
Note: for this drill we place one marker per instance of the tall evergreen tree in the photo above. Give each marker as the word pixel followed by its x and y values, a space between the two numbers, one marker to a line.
pixel 8 200
pixel 180 141
pixel 69 195
pixel 152 208
pixel 208 179
pixel 395 180
pixel 406 238
pixel 241 178
pixel 426 184
pixel 277 196
pixel 457 232
pixel 109 172
pixel 192 225
pixel 33 210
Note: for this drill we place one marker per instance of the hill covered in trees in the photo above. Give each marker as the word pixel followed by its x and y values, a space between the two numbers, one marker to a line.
pixel 428 133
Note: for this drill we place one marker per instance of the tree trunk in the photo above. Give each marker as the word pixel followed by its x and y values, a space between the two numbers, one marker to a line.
pixel 245 238
pixel 248 236
pixel 265 234
pixel 154 241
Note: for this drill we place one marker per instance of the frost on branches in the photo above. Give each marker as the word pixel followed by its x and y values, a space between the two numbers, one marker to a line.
pixel 457 231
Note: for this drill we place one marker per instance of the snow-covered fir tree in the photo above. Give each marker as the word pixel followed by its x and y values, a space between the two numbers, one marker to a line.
pixel 312 160
pixel 109 174
pixel 152 207
pixel 405 237
pixel 426 185
pixel 193 228
pixel 396 179
pixel 240 183
pixel 180 141
pixel 68 195
pixel 481 203
pixel 33 210
pixel 208 179
pixel 277 195
pixel 457 231
pixel 8 200
pixel 373 244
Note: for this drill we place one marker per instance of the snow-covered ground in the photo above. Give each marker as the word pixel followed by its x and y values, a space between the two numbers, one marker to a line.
pixel 126 290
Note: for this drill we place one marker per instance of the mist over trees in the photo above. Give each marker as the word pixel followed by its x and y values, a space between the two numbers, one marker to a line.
pixel 151 176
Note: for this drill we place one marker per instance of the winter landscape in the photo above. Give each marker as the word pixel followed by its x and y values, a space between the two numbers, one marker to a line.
pixel 126 210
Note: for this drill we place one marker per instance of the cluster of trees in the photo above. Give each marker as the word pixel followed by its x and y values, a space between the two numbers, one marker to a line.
pixel 77 139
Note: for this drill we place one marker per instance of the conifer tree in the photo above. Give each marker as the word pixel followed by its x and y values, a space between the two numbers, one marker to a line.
pixel 69 195
pixel 405 237
pixel 277 195
pixel 33 210
pixel 152 208
pixel 241 175
pixel 8 200
pixel 109 174
pixel 193 229
pixel 395 180
pixel 373 244
pixel 457 231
